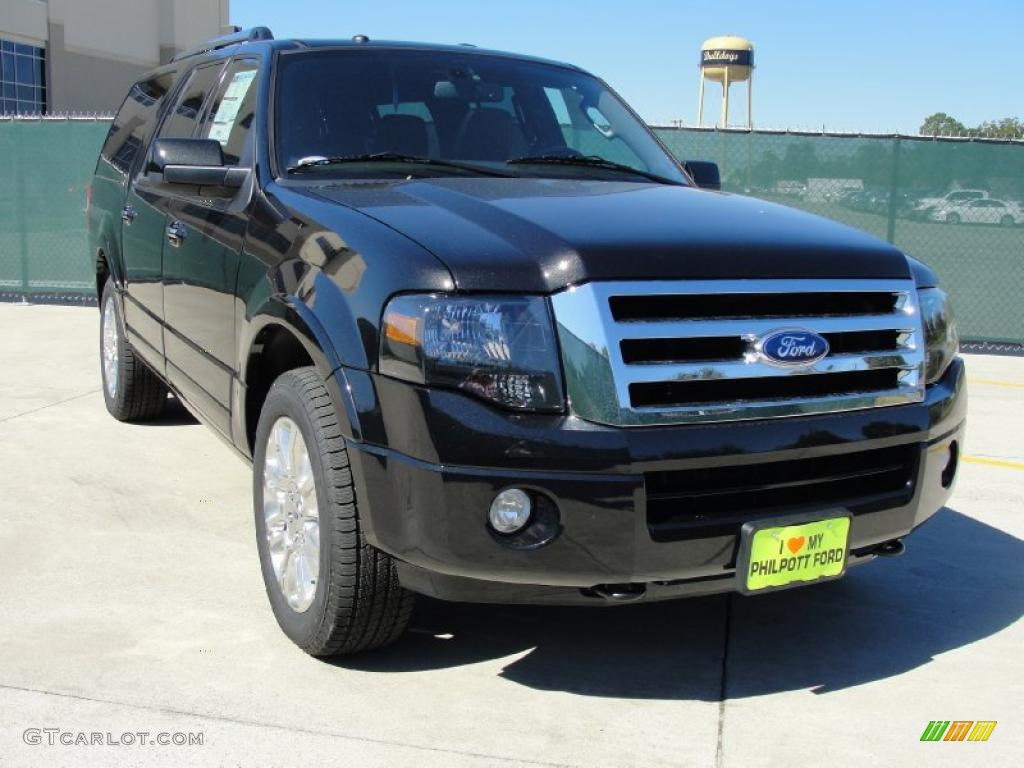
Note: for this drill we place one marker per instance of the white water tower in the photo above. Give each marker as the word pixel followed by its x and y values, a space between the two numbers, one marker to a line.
pixel 727 59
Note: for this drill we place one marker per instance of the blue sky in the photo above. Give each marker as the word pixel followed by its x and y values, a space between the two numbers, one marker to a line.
pixel 860 66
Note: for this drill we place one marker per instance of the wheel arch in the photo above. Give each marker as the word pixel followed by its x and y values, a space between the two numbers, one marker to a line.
pixel 284 335
pixel 106 256
pixel 104 268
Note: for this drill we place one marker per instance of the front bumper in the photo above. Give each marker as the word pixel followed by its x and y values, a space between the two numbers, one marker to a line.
pixel 427 464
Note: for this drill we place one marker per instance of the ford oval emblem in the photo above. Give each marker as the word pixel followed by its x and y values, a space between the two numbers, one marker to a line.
pixel 791 347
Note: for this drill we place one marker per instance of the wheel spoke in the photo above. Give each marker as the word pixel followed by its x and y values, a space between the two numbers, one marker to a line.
pixel 297 455
pixel 276 542
pixel 273 474
pixel 304 477
pixel 109 338
pixel 289 577
pixel 283 438
pixel 302 574
pixel 311 547
pixel 274 516
pixel 310 510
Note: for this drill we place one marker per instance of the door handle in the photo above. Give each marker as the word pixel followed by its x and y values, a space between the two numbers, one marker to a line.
pixel 128 215
pixel 176 233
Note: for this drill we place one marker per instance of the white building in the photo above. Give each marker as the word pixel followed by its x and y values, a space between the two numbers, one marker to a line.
pixel 83 55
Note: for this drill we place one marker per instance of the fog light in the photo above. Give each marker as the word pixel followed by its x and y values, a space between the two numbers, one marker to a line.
pixel 510 511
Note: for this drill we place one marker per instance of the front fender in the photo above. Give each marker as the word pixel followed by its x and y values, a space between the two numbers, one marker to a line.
pixel 324 272
pixel 295 317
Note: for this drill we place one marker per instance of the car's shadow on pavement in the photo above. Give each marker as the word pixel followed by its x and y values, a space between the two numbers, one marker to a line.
pixel 959 581
pixel 175 415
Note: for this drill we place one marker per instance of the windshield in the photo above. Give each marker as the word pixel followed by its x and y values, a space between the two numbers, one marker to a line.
pixel 351 113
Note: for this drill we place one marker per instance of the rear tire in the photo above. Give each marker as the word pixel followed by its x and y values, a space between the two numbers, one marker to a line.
pixel 343 596
pixel 131 391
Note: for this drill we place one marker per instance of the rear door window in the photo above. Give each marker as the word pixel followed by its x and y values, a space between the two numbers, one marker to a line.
pixel 134 120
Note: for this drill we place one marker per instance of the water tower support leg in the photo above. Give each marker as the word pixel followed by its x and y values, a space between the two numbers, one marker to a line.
pixel 750 101
pixel 700 102
pixel 725 99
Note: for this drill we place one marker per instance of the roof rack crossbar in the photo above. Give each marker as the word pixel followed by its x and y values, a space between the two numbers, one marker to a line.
pixel 239 36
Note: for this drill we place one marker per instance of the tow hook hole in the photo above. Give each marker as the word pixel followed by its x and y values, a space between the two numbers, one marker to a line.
pixel 890 548
pixel 619 593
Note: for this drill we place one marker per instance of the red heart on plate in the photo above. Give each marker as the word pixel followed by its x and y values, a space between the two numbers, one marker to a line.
pixel 795 545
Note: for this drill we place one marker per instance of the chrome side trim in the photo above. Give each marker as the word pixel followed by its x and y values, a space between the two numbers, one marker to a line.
pixel 598 379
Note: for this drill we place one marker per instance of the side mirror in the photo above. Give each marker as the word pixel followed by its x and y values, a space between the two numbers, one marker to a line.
pixel 196 162
pixel 704 173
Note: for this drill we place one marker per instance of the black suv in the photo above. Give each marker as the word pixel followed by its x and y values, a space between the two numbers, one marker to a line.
pixel 483 338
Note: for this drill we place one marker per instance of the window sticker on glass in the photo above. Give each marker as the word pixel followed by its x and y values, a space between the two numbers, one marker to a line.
pixel 229 106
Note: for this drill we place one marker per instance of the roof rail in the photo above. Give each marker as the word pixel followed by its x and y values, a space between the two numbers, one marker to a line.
pixel 236 37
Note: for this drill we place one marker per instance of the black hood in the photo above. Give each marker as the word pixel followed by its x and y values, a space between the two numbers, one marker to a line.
pixel 540 235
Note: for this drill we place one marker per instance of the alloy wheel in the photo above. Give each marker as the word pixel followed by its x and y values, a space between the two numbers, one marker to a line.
pixel 291 514
pixel 110 355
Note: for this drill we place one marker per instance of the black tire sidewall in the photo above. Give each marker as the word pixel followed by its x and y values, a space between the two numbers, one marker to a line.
pixel 300 627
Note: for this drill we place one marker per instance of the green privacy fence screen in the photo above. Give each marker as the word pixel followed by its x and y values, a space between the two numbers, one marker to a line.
pixel 958 205
pixel 47 165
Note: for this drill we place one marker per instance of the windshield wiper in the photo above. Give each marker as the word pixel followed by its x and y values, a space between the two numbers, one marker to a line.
pixel 590 161
pixel 392 157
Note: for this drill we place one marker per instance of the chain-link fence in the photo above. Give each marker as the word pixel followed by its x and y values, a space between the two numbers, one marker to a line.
pixel 956 204
pixel 48 164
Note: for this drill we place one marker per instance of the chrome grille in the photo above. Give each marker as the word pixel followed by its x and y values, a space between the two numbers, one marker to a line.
pixel 669 352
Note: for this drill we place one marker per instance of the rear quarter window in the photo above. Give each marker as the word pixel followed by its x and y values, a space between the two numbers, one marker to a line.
pixel 134 121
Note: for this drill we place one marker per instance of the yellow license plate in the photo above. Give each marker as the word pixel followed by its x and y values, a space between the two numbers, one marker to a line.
pixel 796 552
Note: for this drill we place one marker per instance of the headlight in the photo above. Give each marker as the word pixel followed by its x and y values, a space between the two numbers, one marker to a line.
pixel 941 339
pixel 501 348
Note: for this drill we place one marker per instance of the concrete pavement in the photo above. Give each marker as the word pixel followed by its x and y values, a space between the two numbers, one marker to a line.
pixel 131 601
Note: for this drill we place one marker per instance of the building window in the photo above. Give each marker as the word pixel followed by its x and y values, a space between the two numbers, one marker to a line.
pixel 22 79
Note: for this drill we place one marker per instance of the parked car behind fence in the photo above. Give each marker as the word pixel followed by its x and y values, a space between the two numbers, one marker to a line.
pixel 982 211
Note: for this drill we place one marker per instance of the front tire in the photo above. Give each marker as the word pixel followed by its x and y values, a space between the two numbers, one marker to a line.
pixel 952 218
pixel 131 391
pixel 331 592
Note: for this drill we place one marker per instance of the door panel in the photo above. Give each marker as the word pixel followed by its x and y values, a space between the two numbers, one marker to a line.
pixel 145 218
pixel 200 271
pixel 199 299
pixel 141 216
pixel 142 238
